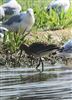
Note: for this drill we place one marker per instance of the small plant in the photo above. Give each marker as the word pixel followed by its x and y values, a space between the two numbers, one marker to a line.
pixel 52 20
pixel 12 40
pixel 41 18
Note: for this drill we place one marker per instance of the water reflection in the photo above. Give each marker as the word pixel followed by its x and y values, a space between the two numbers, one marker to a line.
pixel 55 83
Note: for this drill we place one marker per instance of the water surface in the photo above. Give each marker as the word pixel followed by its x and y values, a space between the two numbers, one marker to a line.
pixel 55 83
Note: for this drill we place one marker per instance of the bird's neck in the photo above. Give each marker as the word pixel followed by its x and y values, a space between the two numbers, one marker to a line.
pixel 31 18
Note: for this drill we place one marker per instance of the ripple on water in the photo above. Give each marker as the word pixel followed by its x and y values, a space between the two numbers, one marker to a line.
pixel 55 83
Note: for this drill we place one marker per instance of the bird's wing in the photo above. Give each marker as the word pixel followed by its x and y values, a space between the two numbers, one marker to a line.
pixel 37 47
pixel 9 10
pixel 67 47
pixel 13 19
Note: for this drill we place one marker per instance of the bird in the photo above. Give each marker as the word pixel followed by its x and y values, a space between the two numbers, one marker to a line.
pixel 37 50
pixel 65 52
pixel 20 22
pixel 66 49
pixel 59 5
pixel 10 8
pixel 2 31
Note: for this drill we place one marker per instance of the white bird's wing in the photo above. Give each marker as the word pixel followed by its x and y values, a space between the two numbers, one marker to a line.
pixel 13 19
pixel 68 46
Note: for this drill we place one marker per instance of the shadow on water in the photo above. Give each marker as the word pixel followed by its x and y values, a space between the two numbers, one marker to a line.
pixel 55 83
pixel 38 77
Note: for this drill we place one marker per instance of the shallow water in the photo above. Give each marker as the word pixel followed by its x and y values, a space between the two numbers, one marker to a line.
pixel 54 83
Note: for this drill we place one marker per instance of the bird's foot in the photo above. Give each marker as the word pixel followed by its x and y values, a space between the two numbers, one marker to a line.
pixel 39 69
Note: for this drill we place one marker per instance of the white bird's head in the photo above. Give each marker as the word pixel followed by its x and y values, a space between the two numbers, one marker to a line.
pixel 30 12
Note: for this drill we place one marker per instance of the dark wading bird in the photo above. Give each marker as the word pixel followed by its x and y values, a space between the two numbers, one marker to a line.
pixel 37 50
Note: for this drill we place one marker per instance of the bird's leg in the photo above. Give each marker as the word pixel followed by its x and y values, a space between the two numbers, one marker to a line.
pixel 40 61
pixel 38 65
pixel 42 64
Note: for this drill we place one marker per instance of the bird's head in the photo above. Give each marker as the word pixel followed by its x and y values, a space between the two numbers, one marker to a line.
pixel 30 12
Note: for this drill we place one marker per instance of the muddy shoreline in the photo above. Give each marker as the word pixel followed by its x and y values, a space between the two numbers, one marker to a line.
pixel 56 36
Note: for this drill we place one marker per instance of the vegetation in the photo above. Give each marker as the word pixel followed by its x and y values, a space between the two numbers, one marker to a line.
pixel 44 20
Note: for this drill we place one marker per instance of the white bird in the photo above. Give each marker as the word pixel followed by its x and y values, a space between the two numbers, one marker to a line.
pixel 59 5
pixel 11 8
pixel 2 14
pixel 20 22
pixel 2 31
pixel 66 49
